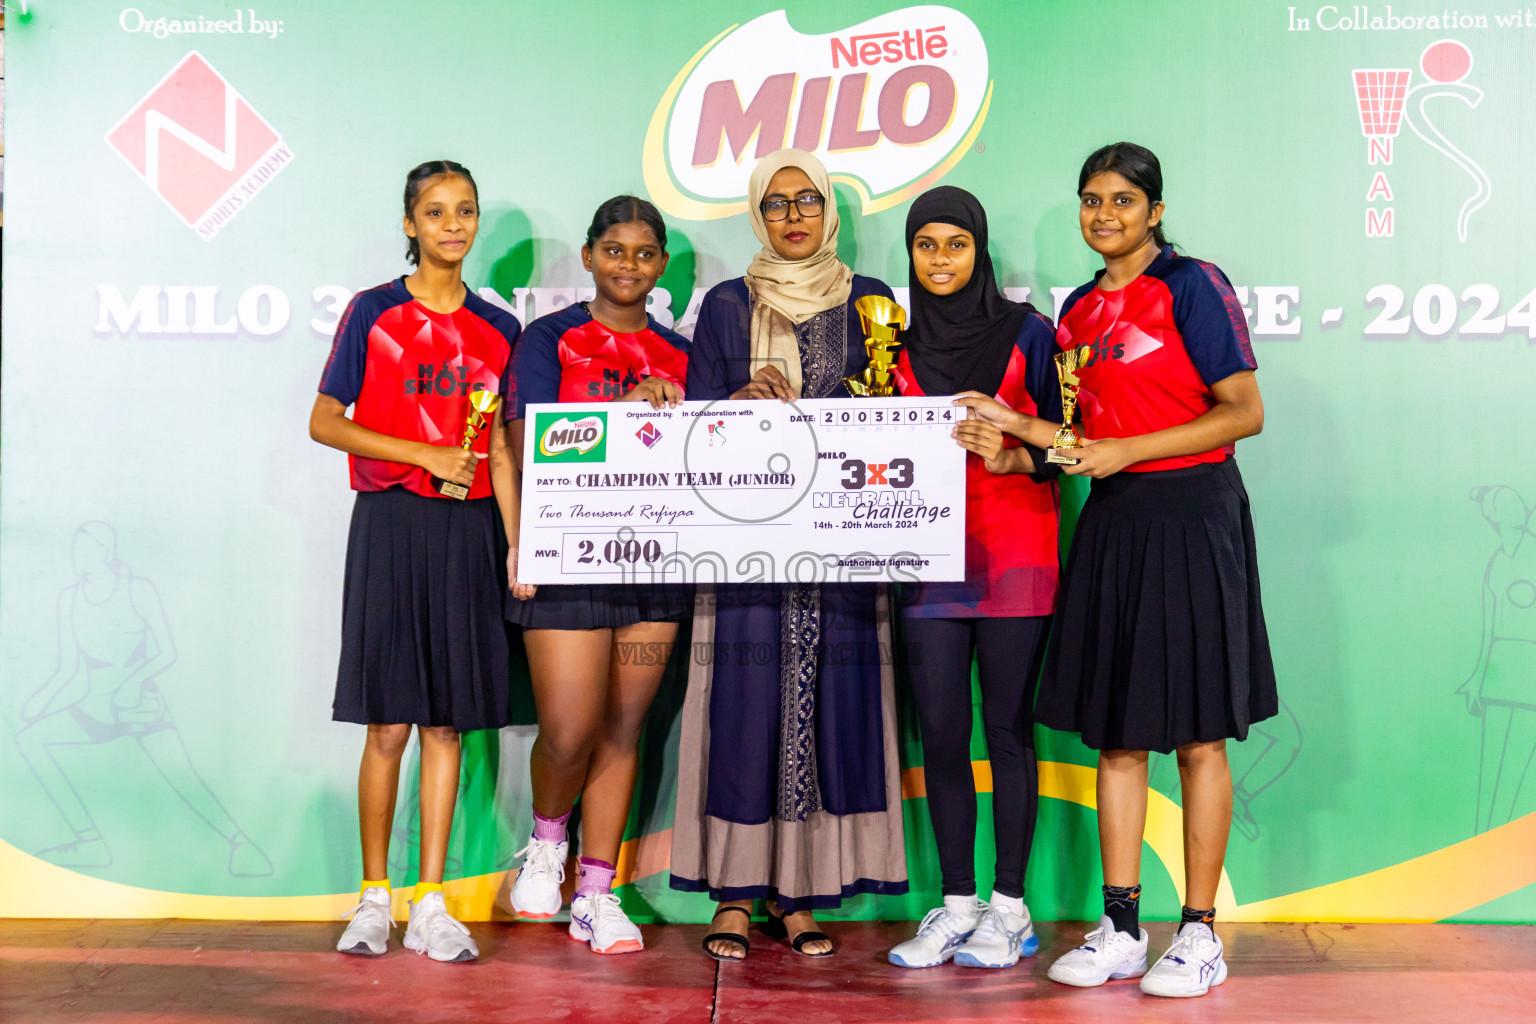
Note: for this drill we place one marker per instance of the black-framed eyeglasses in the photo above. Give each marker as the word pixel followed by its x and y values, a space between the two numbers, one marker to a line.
pixel 809 205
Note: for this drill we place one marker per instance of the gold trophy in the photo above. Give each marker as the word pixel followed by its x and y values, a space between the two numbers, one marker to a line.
pixel 1067 365
pixel 482 405
pixel 882 320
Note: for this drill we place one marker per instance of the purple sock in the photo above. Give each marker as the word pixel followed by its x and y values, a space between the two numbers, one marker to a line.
pixel 593 876
pixel 550 830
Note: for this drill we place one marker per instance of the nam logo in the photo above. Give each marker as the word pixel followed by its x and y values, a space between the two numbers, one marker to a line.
pixel 562 439
pixel 889 105
pixel 1386 101
pixel 202 148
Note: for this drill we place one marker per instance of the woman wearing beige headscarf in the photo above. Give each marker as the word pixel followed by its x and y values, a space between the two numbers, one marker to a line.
pixel 788 783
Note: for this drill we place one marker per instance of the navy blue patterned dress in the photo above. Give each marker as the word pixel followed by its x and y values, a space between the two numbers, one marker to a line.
pixel 802 802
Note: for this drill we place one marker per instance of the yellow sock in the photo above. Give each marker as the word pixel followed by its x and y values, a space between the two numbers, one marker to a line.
pixel 384 884
pixel 422 888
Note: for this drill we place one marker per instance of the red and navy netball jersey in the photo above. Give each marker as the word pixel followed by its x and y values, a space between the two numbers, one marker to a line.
pixel 1159 343
pixel 569 357
pixel 1010 520
pixel 409 373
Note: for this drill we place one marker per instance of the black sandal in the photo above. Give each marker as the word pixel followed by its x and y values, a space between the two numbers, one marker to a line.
pixel 776 928
pixel 737 938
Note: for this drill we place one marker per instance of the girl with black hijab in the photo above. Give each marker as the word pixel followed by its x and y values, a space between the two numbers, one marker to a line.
pixel 966 337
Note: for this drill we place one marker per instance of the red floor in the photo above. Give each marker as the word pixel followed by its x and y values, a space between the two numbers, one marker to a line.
pixel 170 972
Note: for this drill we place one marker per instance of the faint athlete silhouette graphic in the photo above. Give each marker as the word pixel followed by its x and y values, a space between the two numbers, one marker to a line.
pixel 1502 688
pixel 1257 763
pixel 113 644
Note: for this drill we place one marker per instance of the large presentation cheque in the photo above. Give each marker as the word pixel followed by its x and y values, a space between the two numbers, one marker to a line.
pixel 736 492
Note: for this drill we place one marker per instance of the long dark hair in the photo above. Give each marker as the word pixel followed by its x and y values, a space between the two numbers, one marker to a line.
pixel 414 181
pixel 623 210
pixel 1137 165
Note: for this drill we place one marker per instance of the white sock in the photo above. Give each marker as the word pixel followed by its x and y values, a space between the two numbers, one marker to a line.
pixel 963 906
pixel 1013 904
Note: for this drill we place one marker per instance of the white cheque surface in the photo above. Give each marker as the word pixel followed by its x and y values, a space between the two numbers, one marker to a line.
pixel 839 488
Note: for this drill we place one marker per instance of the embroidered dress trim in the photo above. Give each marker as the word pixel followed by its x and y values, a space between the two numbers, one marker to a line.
pixel 823 352
pixel 799 640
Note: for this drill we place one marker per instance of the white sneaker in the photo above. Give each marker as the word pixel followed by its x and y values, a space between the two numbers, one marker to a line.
pixel 536 891
pixel 1190 967
pixel 436 933
pixel 943 931
pixel 368 932
pixel 1104 954
pixel 599 921
pixel 999 940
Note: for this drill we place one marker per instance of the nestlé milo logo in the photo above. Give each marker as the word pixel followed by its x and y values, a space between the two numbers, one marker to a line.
pixel 889 105
pixel 563 439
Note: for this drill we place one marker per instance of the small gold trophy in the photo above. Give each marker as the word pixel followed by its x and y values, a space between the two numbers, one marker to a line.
pixel 1067 365
pixel 882 320
pixel 482 405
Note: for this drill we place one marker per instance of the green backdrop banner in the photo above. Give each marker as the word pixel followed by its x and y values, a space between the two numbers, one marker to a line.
pixel 195 192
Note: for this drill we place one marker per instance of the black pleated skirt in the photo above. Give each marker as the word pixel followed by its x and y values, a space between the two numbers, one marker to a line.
pixel 601 606
pixel 422 637
pixel 1160 637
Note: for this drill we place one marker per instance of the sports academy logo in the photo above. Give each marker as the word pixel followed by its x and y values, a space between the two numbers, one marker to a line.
pixel 1387 100
pixel 563 439
pixel 648 434
pixel 199 145
pixel 889 105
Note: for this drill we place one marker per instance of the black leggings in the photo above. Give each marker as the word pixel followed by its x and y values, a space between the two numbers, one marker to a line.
pixel 1008 655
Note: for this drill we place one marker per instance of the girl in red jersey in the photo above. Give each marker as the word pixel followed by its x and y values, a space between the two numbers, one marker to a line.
pixel 422 639
pixel 1160 641
pixel 966 337
pixel 592 700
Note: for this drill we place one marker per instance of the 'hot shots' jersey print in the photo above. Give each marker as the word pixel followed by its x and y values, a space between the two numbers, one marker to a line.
pixel 409 371
pixel 1158 345
pixel 568 356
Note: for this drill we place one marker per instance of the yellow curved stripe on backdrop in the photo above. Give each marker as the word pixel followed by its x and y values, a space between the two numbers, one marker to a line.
pixel 1433 887
pixel 36 888
pixel 1076 783
pixel 1430 887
